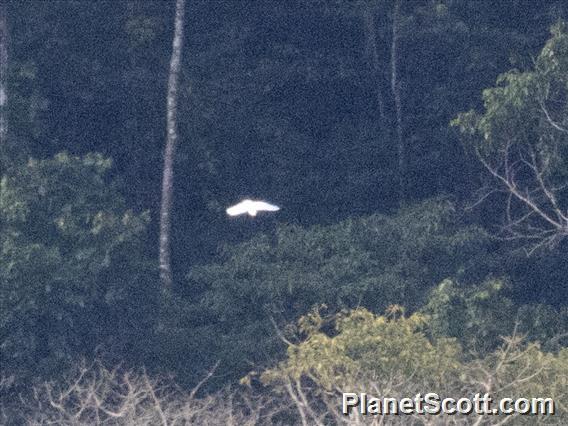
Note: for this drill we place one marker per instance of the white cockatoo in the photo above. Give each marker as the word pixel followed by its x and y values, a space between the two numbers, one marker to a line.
pixel 251 207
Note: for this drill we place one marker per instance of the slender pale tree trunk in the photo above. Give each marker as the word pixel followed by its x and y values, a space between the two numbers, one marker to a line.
pixel 373 54
pixel 166 276
pixel 395 87
pixel 3 74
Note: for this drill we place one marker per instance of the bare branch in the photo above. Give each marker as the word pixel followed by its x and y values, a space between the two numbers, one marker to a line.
pixel 549 118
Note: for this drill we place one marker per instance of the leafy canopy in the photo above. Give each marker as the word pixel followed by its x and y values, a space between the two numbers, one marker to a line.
pixel 371 262
pixel 64 268
pixel 380 346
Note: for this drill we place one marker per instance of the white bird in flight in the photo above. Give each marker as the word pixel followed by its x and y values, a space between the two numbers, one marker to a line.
pixel 251 207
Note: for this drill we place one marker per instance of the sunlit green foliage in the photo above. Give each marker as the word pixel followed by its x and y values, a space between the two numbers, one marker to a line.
pixel 519 370
pixel 363 342
pixel 391 356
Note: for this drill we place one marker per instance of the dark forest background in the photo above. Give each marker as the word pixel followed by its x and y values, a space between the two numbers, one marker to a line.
pixel 383 201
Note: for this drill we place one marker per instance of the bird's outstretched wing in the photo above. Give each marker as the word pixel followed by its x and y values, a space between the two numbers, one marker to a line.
pixel 264 206
pixel 238 209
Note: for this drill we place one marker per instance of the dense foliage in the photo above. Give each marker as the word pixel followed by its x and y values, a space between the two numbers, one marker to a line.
pixel 370 261
pixel 74 275
pixel 391 355
pixel 521 139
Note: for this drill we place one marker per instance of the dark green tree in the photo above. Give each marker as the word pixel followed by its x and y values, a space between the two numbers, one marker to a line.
pixel 372 261
pixel 72 273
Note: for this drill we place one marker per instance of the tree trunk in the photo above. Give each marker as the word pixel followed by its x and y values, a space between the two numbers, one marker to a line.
pixel 166 276
pixel 373 55
pixel 395 87
pixel 3 75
